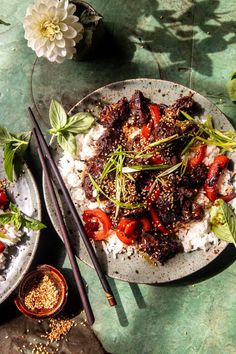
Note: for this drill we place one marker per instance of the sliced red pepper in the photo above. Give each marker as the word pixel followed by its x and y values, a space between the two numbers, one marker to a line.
pixel 127 229
pixel 156 160
pixel 2 247
pixel 146 225
pixel 157 222
pixel 200 153
pixel 218 165
pixel 3 198
pixel 97 223
pixel 123 238
pixel 155 112
pixel 147 129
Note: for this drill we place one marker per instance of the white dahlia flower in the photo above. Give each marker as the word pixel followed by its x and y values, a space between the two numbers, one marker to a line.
pixel 52 30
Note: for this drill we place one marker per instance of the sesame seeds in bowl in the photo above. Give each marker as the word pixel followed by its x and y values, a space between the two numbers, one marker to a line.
pixel 42 293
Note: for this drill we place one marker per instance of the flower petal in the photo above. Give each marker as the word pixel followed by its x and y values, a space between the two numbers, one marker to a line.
pixel 60 43
pixel 63 26
pixel 70 33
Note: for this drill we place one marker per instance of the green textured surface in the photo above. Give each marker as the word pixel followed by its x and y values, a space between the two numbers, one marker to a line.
pixel 189 42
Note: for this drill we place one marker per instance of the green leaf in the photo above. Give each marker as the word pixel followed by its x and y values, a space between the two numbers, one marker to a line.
pixel 231 88
pixel 5 136
pixel 8 157
pixel 14 208
pixel 57 115
pixel 17 221
pixel 24 136
pixel 233 75
pixel 67 141
pixel 32 224
pixel 5 218
pixel 79 123
pixel 223 221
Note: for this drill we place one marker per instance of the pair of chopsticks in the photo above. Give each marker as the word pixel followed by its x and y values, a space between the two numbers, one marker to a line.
pixel 50 168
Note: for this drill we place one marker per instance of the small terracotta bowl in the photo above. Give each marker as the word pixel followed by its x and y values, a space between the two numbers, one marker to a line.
pixel 31 278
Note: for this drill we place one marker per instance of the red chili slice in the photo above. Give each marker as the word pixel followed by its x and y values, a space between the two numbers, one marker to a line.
pixel 200 153
pixel 146 225
pixel 2 247
pixel 157 222
pixel 155 113
pixel 3 198
pixel 125 239
pixel 97 223
pixel 154 110
pixel 218 165
pixel 147 129
pixel 156 160
pixel 127 229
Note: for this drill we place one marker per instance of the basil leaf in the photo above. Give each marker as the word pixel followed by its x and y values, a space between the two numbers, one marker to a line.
pixel 79 123
pixel 20 220
pixel 14 208
pixel 32 224
pixel 17 221
pixel 24 136
pixel 5 136
pixel 67 142
pixel 233 75
pixel 8 157
pixel 231 88
pixel 223 221
pixel 5 218
pixel 57 115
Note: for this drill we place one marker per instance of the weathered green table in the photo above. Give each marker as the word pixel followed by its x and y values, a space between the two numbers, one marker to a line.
pixel 189 42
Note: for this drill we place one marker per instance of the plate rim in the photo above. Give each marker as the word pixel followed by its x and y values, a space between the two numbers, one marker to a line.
pixel 8 293
pixel 52 140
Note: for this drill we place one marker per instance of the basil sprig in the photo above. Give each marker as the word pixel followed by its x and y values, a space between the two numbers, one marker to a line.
pixel 231 86
pixel 223 221
pixel 66 128
pixel 15 146
pixel 16 218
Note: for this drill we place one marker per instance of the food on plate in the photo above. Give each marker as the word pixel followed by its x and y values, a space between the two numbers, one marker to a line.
pixel 147 175
pixel 13 226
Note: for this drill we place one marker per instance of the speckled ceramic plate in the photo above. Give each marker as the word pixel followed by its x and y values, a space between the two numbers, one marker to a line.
pixel 25 194
pixel 135 268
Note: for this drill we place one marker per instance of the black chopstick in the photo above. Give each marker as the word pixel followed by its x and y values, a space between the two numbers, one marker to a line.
pixel 65 235
pixel 75 215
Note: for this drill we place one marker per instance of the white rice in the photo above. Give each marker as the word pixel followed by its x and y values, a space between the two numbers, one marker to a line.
pixel 194 236
pixel 197 235
pixel 2 261
pixel 9 236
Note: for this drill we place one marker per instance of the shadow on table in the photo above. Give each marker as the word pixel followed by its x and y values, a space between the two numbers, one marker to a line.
pixel 50 247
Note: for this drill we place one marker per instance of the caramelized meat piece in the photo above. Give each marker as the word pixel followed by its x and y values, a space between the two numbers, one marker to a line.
pixel 139 108
pixel 115 115
pixel 88 188
pixel 195 178
pixel 160 247
pixel 192 211
pixel 168 207
pixel 108 142
pixel 166 129
pixel 184 103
